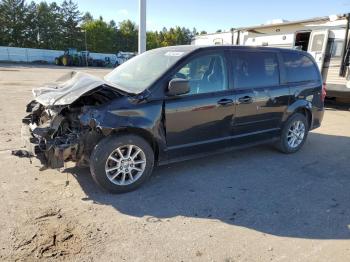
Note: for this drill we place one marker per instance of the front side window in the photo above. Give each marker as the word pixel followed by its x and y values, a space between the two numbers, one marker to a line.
pixel 255 69
pixel 299 68
pixel 206 74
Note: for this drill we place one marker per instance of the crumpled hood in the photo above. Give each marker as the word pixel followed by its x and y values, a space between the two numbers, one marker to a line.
pixel 67 89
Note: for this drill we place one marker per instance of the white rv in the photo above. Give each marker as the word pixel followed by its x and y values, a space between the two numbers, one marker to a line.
pixel 326 38
pixel 123 57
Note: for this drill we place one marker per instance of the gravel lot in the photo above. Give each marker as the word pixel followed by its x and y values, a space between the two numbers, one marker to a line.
pixel 252 205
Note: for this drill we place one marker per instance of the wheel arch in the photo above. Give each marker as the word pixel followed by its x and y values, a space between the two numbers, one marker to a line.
pixel 301 106
pixel 146 122
pixel 148 136
pixel 307 113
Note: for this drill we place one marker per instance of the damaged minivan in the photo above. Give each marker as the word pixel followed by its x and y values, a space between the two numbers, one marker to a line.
pixel 172 104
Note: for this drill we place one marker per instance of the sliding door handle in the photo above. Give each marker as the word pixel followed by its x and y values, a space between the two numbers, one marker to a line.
pixel 225 101
pixel 245 100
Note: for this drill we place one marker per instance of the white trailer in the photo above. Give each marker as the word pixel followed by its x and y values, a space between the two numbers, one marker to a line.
pixel 326 38
pixel 224 38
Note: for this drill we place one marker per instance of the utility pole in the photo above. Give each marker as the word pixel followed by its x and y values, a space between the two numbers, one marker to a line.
pixel 142 26
pixel 86 51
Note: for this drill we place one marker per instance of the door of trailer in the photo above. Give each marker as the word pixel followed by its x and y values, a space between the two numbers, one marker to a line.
pixel 317 46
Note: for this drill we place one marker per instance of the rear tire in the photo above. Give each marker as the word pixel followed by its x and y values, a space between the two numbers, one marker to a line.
pixel 294 134
pixel 80 61
pixel 117 168
pixel 57 61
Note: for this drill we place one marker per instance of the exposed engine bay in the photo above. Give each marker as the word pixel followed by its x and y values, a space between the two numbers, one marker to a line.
pixel 55 133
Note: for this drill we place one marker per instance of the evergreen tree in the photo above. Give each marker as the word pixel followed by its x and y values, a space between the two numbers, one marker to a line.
pixel 13 13
pixel 129 33
pixel 152 40
pixel 87 17
pixel 99 36
pixel 2 28
pixel 194 31
pixel 112 24
pixel 30 31
pixel 48 26
pixel 71 17
pixel 53 26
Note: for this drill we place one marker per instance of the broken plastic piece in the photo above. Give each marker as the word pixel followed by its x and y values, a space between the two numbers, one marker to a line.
pixel 22 153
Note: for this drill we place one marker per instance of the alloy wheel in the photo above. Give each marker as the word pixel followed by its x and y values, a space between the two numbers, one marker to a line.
pixel 125 165
pixel 296 134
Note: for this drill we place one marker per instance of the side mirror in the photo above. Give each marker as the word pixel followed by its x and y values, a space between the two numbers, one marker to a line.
pixel 178 86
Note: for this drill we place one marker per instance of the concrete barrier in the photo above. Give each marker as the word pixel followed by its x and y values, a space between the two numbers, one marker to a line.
pixel 29 55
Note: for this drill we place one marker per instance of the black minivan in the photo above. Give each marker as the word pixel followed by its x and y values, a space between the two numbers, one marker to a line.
pixel 172 104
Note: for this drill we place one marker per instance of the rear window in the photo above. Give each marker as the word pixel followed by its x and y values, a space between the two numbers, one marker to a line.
pixel 299 68
pixel 255 69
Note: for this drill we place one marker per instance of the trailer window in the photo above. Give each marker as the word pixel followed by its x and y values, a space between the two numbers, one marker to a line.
pixel 317 43
pixel 336 48
pixel 302 41
pixel 299 68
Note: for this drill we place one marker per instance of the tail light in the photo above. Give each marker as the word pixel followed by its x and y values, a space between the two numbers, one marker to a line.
pixel 324 91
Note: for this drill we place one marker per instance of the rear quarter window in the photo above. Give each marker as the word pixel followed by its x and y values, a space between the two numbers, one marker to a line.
pixel 299 68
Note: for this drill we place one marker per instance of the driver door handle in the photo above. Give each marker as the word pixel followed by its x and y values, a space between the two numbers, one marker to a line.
pixel 245 100
pixel 225 101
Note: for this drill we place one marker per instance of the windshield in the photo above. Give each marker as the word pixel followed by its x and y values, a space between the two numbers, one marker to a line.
pixel 138 73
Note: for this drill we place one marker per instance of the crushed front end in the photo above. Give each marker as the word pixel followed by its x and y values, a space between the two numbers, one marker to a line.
pixel 54 131
pixel 54 135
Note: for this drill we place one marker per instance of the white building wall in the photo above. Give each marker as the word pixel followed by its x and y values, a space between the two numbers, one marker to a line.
pixel 280 40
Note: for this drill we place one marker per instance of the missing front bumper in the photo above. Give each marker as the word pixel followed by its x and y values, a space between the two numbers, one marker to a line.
pixel 52 153
pixel 30 143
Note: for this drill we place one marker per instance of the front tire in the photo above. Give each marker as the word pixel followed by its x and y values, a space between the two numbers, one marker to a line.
pixel 65 61
pixel 294 134
pixel 122 163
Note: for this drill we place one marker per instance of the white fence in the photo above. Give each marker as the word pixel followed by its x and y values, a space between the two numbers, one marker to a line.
pixel 16 54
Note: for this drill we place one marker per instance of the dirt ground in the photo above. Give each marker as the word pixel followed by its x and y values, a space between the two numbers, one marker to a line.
pixel 253 205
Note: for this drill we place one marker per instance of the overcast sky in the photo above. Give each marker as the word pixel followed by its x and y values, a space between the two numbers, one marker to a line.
pixel 211 15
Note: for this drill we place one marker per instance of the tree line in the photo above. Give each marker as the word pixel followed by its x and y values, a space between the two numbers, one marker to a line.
pixel 60 26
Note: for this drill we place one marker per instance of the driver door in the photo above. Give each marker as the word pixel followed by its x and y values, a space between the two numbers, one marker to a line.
pixel 202 119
